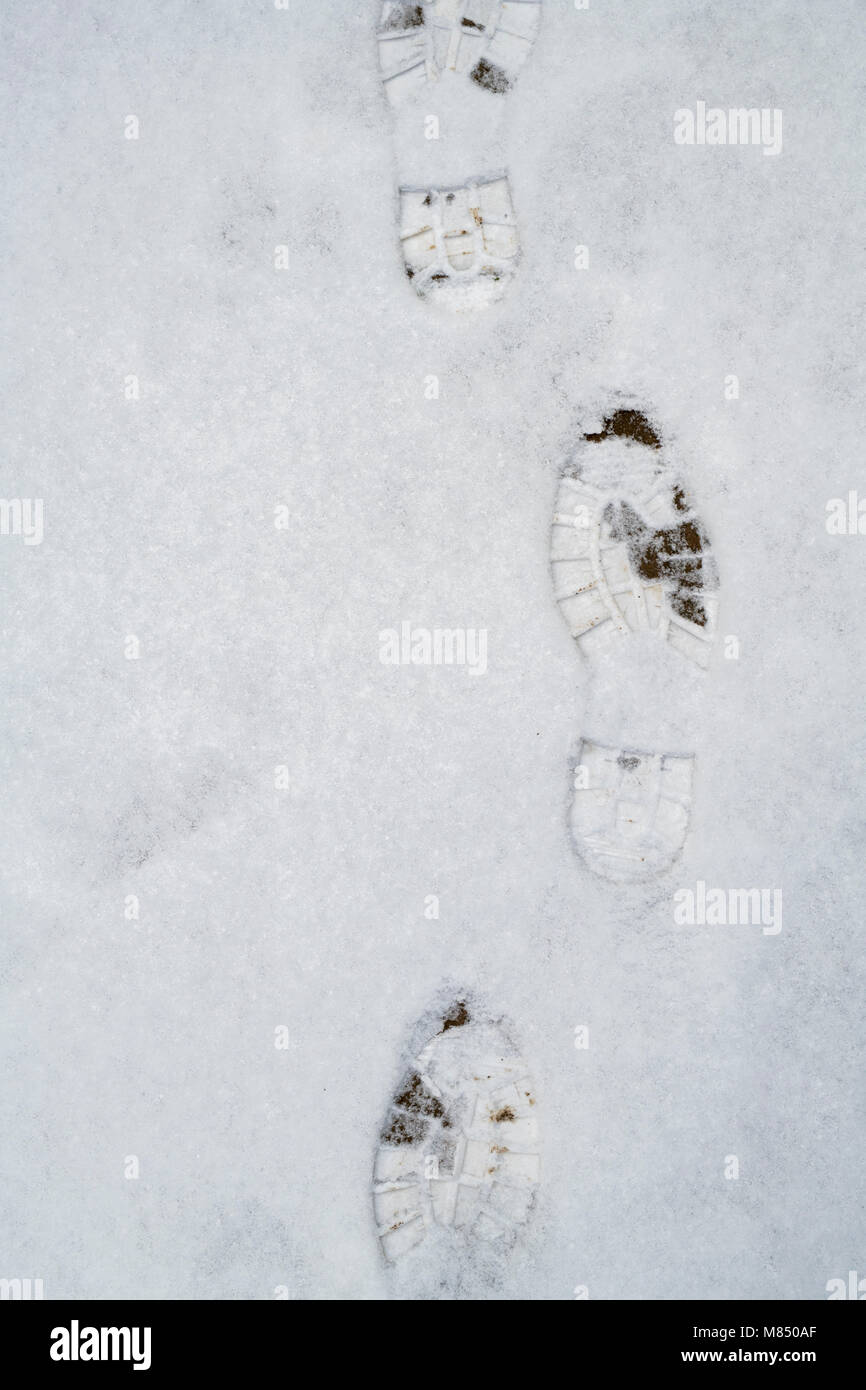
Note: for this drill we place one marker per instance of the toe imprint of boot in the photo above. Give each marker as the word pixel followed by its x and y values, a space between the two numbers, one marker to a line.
pixel 460 1144
pixel 486 40
pixel 635 562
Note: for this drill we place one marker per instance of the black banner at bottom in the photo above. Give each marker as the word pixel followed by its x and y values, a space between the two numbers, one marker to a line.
pixel 221 1338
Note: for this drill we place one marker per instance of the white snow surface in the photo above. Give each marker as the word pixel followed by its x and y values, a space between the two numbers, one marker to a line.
pixel 307 388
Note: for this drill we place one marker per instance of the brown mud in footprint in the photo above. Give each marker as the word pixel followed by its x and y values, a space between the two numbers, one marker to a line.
pixel 409 17
pixel 627 424
pixel 673 555
pixel 413 1107
pixel 490 77
pixel 456 1017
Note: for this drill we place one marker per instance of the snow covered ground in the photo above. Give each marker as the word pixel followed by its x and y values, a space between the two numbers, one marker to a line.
pixel 246 469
